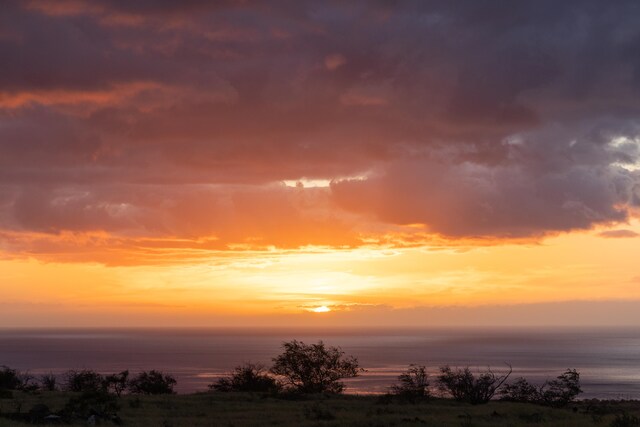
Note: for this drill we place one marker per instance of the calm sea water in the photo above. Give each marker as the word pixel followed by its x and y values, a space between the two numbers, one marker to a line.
pixel 608 359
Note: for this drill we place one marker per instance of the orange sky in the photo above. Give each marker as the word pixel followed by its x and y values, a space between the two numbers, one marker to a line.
pixel 361 286
pixel 240 163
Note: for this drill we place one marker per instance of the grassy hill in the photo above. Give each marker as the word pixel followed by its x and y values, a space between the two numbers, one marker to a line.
pixel 238 409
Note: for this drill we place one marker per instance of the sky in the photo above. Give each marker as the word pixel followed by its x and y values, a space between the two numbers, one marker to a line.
pixel 240 163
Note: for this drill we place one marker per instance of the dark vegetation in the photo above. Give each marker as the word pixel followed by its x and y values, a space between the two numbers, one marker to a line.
pixel 117 383
pixel 413 384
pixel 306 379
pixel 48 382
pixel 301 369
pixel 9 379
pixel 248 377
pixel 625 420
pixel 85 381
pixel 314 368
pixel 556 393
pixel 465 386
pixel 91 396
pixel 152 382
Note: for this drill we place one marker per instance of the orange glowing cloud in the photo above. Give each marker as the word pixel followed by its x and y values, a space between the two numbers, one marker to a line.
pixel 163 136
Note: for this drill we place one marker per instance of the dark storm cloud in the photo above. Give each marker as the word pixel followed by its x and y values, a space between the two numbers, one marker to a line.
pixel 476 118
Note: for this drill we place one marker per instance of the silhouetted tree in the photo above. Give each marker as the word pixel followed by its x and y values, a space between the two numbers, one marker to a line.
pixel 414 383
pixel 9 378
pixel 84 381
pixel 557 393
pixel 520 391
pixel 152 382
pixel 48 382
pixel 314 368
pixel 561 391
pixel 464 386
pixel 248 377
pixel 117 383
pixel 28 382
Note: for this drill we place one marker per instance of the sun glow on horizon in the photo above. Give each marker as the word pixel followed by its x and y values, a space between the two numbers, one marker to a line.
pixel 358 282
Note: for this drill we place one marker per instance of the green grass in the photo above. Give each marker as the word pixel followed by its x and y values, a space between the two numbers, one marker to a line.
pixel 218 409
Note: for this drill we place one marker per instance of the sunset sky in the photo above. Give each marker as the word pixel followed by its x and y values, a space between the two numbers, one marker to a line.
pixel 415 163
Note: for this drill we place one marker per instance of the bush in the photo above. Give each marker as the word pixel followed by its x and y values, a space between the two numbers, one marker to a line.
pixel 557 393
pixel 314 368
pixel 99 405
pixel 414 383
pixel 464 386
pixel 152 382
pixel 9 379
pixel 48 382
pixel 117 383
pixel 248 377
pixel 27 382
pixel 85 381
pixel 561 391
pixel 520 391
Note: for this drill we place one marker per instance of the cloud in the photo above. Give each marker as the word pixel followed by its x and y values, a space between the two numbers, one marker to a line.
pixel 570 314
pixel 547 314
pixel 159 120
pixel 334 61
pixel 618 234
pixel 542 186
pixel 288 217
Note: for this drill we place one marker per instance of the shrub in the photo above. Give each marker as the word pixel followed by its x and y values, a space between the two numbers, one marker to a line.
pixel 99 405
pixel 249 377
pixel 414 383
pixel 557 393
pixel 314 368
pixel 117 383
pixel 27 382
pixel 464 386
pixel 561 391
pixel 48 382
pixel 152 382
pixel 520 391
pixel 9 378
pixel 85 381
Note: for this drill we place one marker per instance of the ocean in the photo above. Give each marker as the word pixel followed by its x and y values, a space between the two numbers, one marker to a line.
pixel 607 359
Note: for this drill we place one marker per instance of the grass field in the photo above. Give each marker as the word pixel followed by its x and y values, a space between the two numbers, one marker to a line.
pixel 230 409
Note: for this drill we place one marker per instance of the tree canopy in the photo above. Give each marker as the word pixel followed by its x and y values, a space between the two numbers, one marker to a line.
pixel 314 368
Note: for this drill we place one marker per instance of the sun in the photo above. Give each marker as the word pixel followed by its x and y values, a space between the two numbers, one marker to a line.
pixel 321 309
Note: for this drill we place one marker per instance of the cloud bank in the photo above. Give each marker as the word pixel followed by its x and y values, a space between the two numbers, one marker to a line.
pixel 160 121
